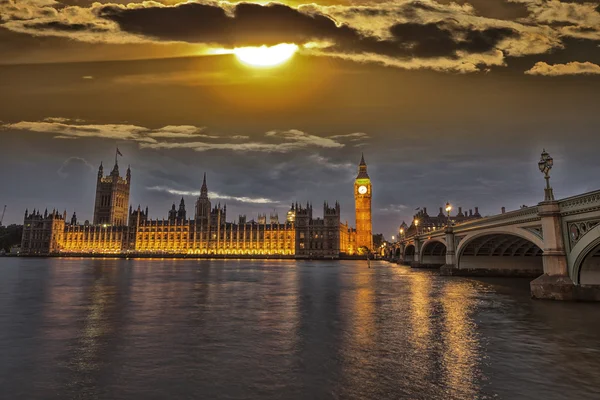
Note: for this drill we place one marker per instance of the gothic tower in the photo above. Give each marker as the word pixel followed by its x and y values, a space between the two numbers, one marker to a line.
pixel 362 201
pixel 203 203
pixel 112 197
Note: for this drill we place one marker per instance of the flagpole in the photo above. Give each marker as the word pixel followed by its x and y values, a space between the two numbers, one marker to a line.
pixel 116 156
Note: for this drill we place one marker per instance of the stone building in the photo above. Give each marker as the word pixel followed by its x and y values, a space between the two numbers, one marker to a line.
pixel 112 197
pixel 428 222
pixel 43 233
pixel 117 231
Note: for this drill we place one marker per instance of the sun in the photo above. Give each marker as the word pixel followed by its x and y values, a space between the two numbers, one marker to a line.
pixel 265 56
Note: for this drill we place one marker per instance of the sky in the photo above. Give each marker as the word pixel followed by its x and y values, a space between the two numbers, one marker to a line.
pixel 450 101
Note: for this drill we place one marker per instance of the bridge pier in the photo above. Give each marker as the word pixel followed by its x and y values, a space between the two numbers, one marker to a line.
pixel 450 266
pixel 555 283
pixel 416 261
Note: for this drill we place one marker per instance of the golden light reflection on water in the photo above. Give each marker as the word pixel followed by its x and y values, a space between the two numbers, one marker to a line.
pixel 98 321
pixel 420 309
pixel 460 355
pixel 363 310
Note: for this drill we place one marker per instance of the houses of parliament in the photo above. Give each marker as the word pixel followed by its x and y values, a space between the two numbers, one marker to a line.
pixel 119 229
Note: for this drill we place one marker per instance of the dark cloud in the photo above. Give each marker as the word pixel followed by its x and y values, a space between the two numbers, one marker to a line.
pixel 438 39
pixel 65 27
pixel 253 24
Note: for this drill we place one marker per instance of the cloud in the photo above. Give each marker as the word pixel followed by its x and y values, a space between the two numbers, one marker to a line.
pixel 572 68
pixel 354 137
pixel 394 208
pixel 73 166
pixel 107 131
pixel 178 136
pixel 407 34
pixel 410 34
pixel 325 162
pixel 214 195
pixel 181 131
pixel 297 138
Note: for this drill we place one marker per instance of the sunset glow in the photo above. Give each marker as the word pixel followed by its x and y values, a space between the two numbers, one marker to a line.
pixel 264 56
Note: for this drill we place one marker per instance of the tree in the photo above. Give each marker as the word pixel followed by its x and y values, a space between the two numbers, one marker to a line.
pixel 10 236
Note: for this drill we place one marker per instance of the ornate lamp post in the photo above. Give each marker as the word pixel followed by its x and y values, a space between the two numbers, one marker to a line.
pixel 448 209
pixel 417 225
pixel 545 166
pixel 401 233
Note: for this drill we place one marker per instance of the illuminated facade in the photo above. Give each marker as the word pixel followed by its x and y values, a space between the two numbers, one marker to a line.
pixel 363 191
pixel 112 197
pixel 206 233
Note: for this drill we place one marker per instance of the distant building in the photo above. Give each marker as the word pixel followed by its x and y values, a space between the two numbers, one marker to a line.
pixel 428 222
pixel 116 229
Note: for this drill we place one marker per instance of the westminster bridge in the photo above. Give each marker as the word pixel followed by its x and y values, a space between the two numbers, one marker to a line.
pixel 557 242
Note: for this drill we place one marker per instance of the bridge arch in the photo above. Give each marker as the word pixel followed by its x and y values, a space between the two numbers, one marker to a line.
pixel 433 253
pixel 585 267
pixel 502 252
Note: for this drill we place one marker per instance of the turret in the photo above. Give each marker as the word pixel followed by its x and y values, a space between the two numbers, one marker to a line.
pixel 100 171
pixel 181 213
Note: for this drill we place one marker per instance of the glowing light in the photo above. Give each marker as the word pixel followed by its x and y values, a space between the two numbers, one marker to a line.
pixel 264 56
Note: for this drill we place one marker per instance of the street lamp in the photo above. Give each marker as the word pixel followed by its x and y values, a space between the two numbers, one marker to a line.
pixel 417 225
pixel 545 165
pixel 448 209
pixel 393 237
pixel 401 232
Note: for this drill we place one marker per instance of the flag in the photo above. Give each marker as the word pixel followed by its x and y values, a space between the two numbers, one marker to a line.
pixel 417 209
pixel 119 153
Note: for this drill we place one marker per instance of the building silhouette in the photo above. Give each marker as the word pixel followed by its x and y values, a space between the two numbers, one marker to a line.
pixel 117 229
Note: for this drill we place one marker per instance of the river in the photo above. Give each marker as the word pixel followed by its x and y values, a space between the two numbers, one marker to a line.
pixel 266 329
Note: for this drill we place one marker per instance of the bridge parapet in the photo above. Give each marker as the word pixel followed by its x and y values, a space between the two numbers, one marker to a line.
pixel 586 202
pixel 526 214
pixel 522 216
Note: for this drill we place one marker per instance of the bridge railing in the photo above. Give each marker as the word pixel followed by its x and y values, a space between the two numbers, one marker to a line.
pixel 579 202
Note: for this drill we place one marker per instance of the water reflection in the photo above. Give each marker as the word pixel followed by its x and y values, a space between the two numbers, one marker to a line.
pixel 120 329
pixel 460 357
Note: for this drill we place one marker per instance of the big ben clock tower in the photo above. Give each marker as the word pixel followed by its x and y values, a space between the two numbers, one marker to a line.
pixel 362 199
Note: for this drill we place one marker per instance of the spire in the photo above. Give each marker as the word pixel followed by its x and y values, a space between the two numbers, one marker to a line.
pixel 204 189
pixel 362 168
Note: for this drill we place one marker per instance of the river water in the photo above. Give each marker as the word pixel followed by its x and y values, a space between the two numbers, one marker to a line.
pixel 201 329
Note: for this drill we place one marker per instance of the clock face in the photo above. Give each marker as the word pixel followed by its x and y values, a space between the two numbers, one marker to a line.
pixel 362 189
